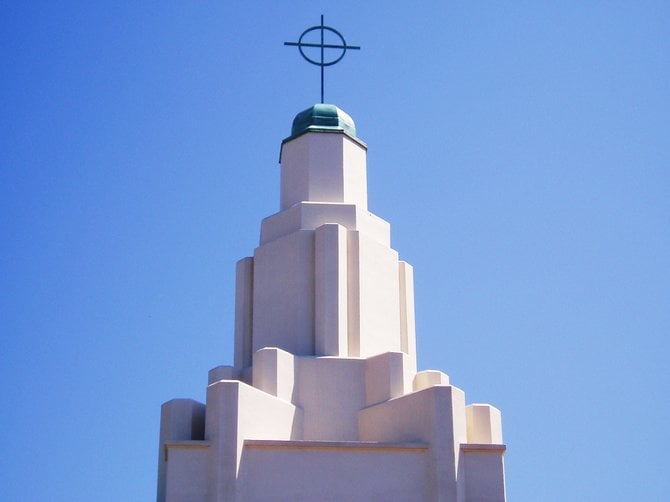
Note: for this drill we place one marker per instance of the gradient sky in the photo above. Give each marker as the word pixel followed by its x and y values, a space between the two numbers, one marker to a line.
pixel 519 150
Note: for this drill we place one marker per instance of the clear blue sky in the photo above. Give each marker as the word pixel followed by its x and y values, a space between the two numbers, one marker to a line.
pixel 520 151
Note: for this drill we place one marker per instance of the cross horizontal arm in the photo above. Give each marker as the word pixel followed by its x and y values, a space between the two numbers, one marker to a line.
pixel 326 46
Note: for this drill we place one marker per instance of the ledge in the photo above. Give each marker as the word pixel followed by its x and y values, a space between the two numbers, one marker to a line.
pixel 187 443
pixel 184 444
pixel 483 448
pixel 335 445
pixel 329 130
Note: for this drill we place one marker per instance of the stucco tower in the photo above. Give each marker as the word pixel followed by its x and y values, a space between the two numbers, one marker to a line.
pixel 324 401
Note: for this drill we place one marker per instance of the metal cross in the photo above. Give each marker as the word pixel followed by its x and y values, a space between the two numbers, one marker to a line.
pixel 323 46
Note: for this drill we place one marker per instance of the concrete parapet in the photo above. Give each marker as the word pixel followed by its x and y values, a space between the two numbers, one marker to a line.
pixel 235 412
pixel 482 473
pixel 274 372
pixel 222 373
pixel 186 470
pixel 428 378
pixel 407 323
pixel 244 279
pixel 181 420
pixel 484 424
pixel 387 376
pixel 435 416
pixel 320 379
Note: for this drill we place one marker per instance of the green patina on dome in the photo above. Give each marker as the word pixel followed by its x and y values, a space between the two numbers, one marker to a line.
pixel 323 117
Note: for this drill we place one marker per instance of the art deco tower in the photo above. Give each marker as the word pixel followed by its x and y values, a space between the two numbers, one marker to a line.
pixel 324 401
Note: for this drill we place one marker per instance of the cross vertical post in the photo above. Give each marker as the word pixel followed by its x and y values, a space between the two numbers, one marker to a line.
pixel 322 71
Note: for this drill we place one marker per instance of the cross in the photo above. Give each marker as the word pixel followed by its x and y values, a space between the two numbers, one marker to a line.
pixel 323 46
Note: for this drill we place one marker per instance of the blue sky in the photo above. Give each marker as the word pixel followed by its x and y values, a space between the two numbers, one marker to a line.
pixel 520 151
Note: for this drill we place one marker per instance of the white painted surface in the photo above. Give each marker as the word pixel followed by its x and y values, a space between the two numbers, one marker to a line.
pixel 235 412
pixel 244 274
pixel 334 408
pixel 387 376
pixel 331 312
pixel 323 167
pixel 283 292
pixel 181 420
pixel 340 290
pixel 223 373
pixel 407 324
pixel 327 417
pixel 484 424
pixel 323 471
pixel 374 297
pixel 274 372
pixel 311 215
pixel 435 416
pixel 428 378
pixel 484 473
pixel 186 475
